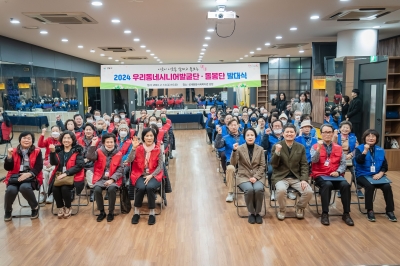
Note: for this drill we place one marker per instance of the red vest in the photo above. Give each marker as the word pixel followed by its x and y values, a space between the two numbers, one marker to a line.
pixel 100 166
pixel 319 169
pixel 17 163
pixel 160 136
pixel 111 128
pixel 78 134
pixel 6 131
pixel 79 177
pixel 166 126
pixel 139 164
pixel 45 143
pixel 171 101
pixel 125 146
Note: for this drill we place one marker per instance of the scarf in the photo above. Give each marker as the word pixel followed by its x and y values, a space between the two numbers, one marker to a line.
pixel 25 156
pixel 148 152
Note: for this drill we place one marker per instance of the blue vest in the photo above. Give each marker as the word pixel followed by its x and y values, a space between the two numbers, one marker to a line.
pixel 365 169
pixel 210 102
pixel 224 133
pixel 272 141
pixel 302 140
pixel 229 141
pixel 333 123
pixel 208 119
pixel 202 103
pixel 313 133
pixel 258 140
pixel 352 141
pixel 242 124
pixel 219 103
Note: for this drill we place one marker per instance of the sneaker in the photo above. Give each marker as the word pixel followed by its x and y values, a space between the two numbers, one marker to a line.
pixel 152 220
pixel 101 216
pixel 272 195
pixel 8 216
pixel 291 195
pixel 110 217
pixel 67 213
pixel 229 198
pixel 42 198
pixel 299 213
pixel 360 195
pixel 259 219
pixel 280 215
pixel 252 219
pixel 35 213
pixel 371 216
pixel 325 219
pixel 391 217
pixel 347 219
pixel 339 195
pixel 49 199
pixel 135 218
pixel 60 213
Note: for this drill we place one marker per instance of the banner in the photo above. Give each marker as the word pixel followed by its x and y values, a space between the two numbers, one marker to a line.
pixel 180 76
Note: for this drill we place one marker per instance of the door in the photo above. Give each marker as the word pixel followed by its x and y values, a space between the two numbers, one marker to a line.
pixel 120 100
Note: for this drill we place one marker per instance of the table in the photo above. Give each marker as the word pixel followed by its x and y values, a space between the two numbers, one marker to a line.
pixel 29 121
pixel 187 118
pixel 51 116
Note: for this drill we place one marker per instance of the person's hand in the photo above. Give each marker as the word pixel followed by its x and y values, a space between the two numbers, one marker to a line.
pixel 46 163
pixel 109 182
pixel 304 185
pixel 292 100
pixel 253 180
pixel 86 160
pixel 52 148
pixel 135 142
pixel 94 141
pixel 58 117
pixel 349 156
pixel 300 132
pixel 10 152
pixel 320 143
pixel 61 176
pixel 278 148
pixel 378 176
pixel 44 131
pixel 219 130
pixel 147 179
pixel 366 147
pixel 334 174
pixel 268 131
pixel 24 176
pixel 235 146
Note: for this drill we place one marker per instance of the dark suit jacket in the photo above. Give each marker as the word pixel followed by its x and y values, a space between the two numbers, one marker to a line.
pixel 355 110
pixel 285 164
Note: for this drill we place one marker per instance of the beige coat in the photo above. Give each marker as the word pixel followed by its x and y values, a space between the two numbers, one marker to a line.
pixel 247 169
pixel 306 108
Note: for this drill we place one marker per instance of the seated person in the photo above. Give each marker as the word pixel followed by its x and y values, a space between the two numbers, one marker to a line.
pixel 227 142
pixel 101 127
pixel 24 165
pixel 261 127
pixel 334 119
pixel 68 161
pixel 305 138
pixel 107 119
pixel 147 172
pixel 124 145
pixel 253 120
pixel 245 121
pixel 97 114
pixel 296 121
pixel 283 117
pixel 290 169
pixel 108 172
pixel 370 160
pixel 71 125
pixel 90 119
pixel 328 160
pixel 251 173
pixel 143 119
pixel 122 114
pixel 162 136
pixel 306 117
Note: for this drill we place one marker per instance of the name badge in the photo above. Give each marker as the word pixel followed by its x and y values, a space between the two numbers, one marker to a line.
pixel 107 174
pixel 21 168
pixel 64 169
pixel 326 163
pixel 372 168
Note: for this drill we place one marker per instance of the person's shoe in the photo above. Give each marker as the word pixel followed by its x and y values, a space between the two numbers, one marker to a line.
pixel 42 198
pixel 229 198
pixel 152 220
pixel 360 195
pixel 347 219
pixel 325 219
pixel 272 195
pixel 291 195
pixel 110 217
pixel 60 213
pixel 299 213
pixel 67 213
pixel 170 155
pixel 135 218
pixel 391 217
pixel 91 195
pixel 106 196
pixel 259 219
pixel 50 199
pixel 8 216
pixel 101 216
pixel 371 216
pixel 252 219
pixel 35 213
pixel 280 215
pixel 339 195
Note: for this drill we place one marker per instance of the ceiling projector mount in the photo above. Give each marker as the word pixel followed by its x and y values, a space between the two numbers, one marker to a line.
pixel 221 16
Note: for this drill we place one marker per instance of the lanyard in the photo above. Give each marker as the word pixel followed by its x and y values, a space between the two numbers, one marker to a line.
pixel 372 153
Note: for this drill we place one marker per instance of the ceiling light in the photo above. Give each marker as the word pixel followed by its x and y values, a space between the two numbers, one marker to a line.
pixel 201 53
pixel 115 21
pixel 64 40
pixel 203 49
pixel 267 44
pixel 97 3
pixel 43 32
pixel 246 55
pixel 158 59
pixel 207 38
pixel 344 0
pixel 127 32
pixel 237 60
pixel 301 51
pixel 101 54
pixel 278 37
pixel 241 58
pixel 293 29
pixel 92 51
pixel 200 56
pixel 122 62
pixel 14 21
pixel 116 60
pixel 210 30
pixel 148 51
pixel 151 54
pixel 221 1
pixel 376 27
pixel 258 49
pixel 142 46
pixel 136 40
pixel 155 57
pixel 80 46
pixel 314 17
pixel 288 55
pixel 160 62
pixel 205 45
pixel 252 52
pixel 110 58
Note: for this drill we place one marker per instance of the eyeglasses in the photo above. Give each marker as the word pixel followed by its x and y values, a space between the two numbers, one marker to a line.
pixel 327 132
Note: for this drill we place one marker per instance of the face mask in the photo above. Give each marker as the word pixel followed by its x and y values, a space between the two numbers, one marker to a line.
pixel 116 120
pixel 107 123
pixel 122 116
pixel 164 120
pixel 89 121
pixel 297 117
pixel 153 123
pixel 284 122
pixel 55 134
pixel 253 119
pixel 261 110
pixel 96 117
pixel 265 115
pixel 123 134
pixel 99 127
pixel 277 131
pixel 249 112
pixel 235 114
pixel 159 125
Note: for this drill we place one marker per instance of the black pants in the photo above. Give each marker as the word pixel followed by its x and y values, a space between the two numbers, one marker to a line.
pixel 150 189
pixel 112 197
pixel 356 129
pixel 62 196
pixel 369 194
pixel 223 160
pixel 26 191
pixel 325 188
pixel 210 134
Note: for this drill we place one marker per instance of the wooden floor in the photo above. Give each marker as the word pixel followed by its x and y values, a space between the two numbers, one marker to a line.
pixel 199 228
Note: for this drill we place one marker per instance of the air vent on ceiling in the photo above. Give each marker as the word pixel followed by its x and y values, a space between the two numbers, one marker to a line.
pixel 117 49
pixel 359 13
pixel 135 58
pixel 287 45
pixel 263 55
pixel 62 18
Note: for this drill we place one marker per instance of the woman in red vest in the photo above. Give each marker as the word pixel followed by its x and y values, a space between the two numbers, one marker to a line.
pixel 108 172
pixel 24 165
pixel 147 172
pixel 71 125
pixel 68 161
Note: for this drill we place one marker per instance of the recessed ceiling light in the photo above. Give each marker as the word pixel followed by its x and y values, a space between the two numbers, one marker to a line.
pixel 127 32
pixel 237 60
pixel 43 32
pixel 241 58
pixel 142 46
pixel 116 60
pixel 136 40
pixel 376 27
pixel 64 40
pixel 122 62
pixel 155 57
pixel 252 52
pixel 14 21
pixel 293 28
pixel 200 56
pixel 151 54
pixel 314 17
pixel 221 1
pixel 203 49
pixel 301 51
pixel 258 49
pixel 246 55
pixel 288 55
pixel 201 53
pixel 80 46
pixel 92 51
pixel 97 3
pixel 158 60
pixel 148 51
pixel 392 22
pixel 210 30
pixel 101 54
pixel 115 21
pixel 110 58
pixel 205 45
pixel 278 37
pixel 267 44
pixel 207 38
pixel 344 0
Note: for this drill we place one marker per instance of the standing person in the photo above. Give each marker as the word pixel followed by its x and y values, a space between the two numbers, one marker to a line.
pixel 280 103
pixel 354 115
pixel 309 99
pixel 302 105
pixel 345 106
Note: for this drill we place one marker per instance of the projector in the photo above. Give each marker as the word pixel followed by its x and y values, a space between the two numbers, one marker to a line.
pixel 222 16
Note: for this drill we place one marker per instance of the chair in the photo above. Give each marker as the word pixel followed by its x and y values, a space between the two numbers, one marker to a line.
pixel 333 201
pixel 7 142
pixel 106 205
pixel 27 206
pixel 289 190
pixel 79 201
pixel 161 191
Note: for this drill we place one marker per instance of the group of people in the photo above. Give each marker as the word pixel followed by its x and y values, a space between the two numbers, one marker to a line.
pixel 104 153
pixel 253 144
pixel 160 102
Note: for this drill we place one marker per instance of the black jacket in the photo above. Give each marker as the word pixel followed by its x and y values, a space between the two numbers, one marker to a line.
pixel 345 110
pixel 59 161
pixel 281 105
pixel 355 110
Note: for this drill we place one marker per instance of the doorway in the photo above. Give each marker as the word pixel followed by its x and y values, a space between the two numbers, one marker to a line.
pixel 120 100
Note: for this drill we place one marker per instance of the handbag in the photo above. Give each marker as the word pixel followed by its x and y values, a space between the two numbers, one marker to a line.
pixel 66 181
pixel 13 180
pixel 126 205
